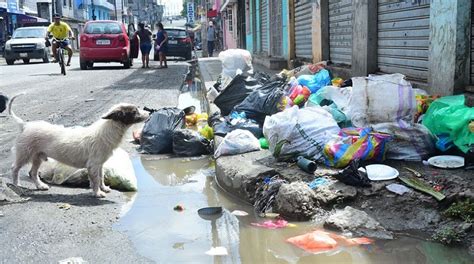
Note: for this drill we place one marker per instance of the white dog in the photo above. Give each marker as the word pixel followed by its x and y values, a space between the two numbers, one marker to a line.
pixel 80 147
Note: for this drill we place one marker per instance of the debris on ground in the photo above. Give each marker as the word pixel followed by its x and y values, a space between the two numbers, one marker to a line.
pixel 320 241
pixel 178 208
pixel 64 206
pixel 272 224
pixel 217 251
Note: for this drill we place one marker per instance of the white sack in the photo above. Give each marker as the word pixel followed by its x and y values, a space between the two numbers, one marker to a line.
pixel 237 142
pixel 233 60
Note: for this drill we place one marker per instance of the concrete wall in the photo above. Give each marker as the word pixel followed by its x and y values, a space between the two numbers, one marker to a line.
pixel 450 33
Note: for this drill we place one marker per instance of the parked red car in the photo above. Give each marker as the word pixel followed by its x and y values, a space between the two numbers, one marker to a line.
pixel 106 41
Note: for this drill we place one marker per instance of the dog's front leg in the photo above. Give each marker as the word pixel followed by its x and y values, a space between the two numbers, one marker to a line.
pixel 103 187
pixel 95 177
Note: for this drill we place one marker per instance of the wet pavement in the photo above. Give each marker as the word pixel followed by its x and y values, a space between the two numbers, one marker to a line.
pixel 168 236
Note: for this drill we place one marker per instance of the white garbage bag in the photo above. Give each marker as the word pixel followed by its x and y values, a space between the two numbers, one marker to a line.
pixel 118 173
pixel 237 142
pixel 234 60
pixel 299 132
pixel 380 99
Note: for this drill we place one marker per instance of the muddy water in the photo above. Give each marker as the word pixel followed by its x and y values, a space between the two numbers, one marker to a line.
pixel 167 236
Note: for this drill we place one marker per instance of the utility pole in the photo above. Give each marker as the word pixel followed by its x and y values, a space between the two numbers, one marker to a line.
pixel 115 7
pixel 93 10
pixel 204 28
pixel 53 5
pixel 123 20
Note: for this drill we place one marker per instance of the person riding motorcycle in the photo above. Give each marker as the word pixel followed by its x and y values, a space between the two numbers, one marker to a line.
pixel 60 31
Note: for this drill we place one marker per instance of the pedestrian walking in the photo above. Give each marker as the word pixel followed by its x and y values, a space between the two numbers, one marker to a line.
pixel 211 36
pixel 162 45
pixel 144 34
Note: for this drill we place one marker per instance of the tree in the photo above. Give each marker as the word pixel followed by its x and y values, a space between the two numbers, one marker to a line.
pixel 184 12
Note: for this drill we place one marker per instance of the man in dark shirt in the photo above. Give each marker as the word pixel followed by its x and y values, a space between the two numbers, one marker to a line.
pixel 211 34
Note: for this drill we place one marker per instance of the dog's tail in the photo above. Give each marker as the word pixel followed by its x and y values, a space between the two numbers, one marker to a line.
pixel 20 121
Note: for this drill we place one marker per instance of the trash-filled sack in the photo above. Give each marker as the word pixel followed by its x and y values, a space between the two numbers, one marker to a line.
pixel 187 142
pixel 316 81
pixel 237 90
pixel 451 117
pixel 308 69
pixel 235 59
pixel 227 125
pixel 412 142
pixel 298 95
pixel 334 100
pixel 355 144
pixel 369 105
pixel 118 173
pixel 157 134
pixel 237 142
pixel 263 101
pixel 299 132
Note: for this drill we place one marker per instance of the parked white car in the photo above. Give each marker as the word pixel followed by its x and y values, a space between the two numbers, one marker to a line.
pixel 27 43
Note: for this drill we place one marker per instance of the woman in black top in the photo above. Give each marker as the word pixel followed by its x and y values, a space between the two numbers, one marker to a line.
pixel 145 43
pixel 162 45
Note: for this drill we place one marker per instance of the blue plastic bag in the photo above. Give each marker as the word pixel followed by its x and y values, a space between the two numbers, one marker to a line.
pixel 315 82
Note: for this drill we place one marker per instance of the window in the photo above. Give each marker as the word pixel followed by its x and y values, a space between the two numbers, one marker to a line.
pixel 64 3
pixel 176 33
pixel 70 4
pixel 229 20
pixel 103 28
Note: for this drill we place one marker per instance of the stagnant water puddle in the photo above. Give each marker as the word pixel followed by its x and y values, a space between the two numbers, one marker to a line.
pixel 168 236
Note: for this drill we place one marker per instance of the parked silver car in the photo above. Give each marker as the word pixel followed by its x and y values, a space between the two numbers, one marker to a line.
pixel 27 43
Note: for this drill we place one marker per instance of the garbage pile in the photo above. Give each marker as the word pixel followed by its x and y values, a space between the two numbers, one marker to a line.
pixel 308 112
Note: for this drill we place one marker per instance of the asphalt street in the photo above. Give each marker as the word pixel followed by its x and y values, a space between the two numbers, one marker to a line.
pixel 37 231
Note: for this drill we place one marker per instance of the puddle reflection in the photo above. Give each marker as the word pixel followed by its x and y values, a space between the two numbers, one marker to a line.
pixel 167 236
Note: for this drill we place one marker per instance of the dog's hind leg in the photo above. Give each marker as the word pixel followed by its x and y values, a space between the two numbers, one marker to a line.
pixel 20 161
pixel 36 163
pixel 104 187
pixel 95 176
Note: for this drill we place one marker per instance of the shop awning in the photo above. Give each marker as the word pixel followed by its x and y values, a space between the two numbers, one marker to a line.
pixel 25 19
pixel 227 2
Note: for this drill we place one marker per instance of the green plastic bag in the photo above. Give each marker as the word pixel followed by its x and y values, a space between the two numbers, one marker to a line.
pixel 448 115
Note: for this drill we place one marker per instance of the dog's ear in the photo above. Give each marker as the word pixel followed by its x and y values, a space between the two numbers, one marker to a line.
pixel 114 115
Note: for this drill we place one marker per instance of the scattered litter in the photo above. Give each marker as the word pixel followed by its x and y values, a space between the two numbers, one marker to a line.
pixel 217 251
pixel 90 100
pixel 73 260
pixel 263 143
pixel 446 161
pixel 272 224
pixel 318 182
pixel 380 172
pixel 320 241
pixel 64 206
pixel 270 215
pixel 397 188
pixel 1 214
pixel 239 213
pixel 353 176
pixel 306 165
pixel 421 186
pixel 425 162
pixel 416 173
pixel 266 193
pixel 178 208
pixel 291 225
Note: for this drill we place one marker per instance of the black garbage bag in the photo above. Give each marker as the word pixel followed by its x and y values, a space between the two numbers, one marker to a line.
pixel 351 175
pixel 225 126
pixel 237 90
pixel 263 101
pixel 3 102
pixel 157 133
pixel 187 142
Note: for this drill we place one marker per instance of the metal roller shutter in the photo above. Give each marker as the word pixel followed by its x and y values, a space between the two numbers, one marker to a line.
pixel 264 26
pixel 403 38
pixel 340 31
pixel 472 43
pixel 303 24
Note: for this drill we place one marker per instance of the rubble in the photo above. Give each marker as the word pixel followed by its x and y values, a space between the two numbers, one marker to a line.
pixel 295 201
pixel 358 222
